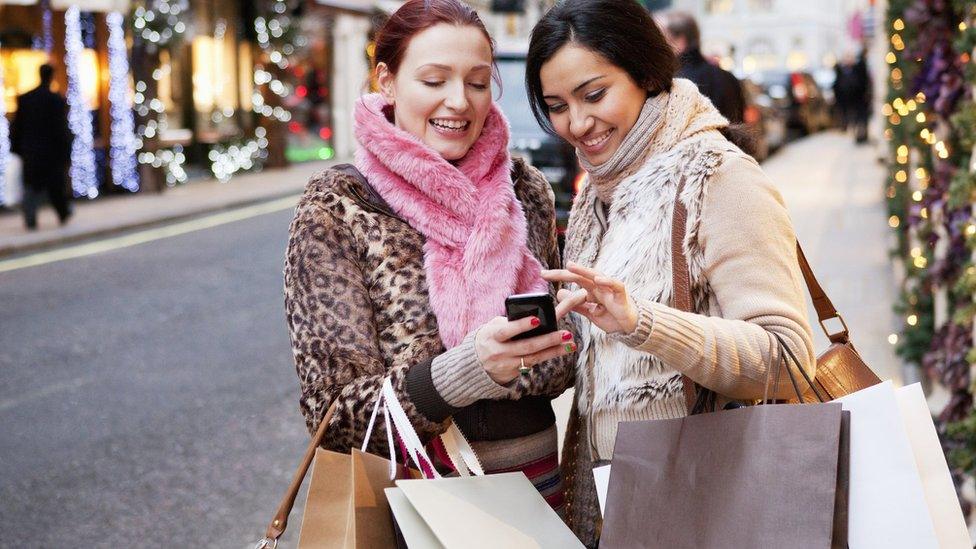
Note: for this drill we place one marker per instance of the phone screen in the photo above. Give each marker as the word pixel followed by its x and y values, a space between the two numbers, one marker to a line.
pixel 538 305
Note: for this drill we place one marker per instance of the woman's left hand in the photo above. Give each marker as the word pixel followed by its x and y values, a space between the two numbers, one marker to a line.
pixel 606 302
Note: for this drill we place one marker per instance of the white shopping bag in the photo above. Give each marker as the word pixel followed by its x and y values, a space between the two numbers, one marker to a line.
pixel 940 494
pixel 887 503
pixel 601 478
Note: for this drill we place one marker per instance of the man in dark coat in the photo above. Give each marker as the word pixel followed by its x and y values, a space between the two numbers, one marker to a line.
pixel 719 85
pixel 41 137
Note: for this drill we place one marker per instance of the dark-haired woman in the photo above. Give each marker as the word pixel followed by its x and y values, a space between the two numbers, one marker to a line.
pixel 399 267
pixel 601 75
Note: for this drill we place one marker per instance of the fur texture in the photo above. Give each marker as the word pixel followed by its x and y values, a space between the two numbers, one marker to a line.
pixel 475 252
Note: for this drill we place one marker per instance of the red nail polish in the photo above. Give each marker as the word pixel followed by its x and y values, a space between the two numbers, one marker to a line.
pixel 535 321
pixel 567 336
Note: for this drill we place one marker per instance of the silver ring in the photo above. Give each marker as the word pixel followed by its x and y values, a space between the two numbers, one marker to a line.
pixel 523 369
pixel 267 543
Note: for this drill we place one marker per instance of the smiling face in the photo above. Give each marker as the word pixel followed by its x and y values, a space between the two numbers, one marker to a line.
pixel 592 103
pixel 441 92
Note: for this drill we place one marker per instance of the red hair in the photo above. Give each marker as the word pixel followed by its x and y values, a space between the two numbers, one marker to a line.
pixel 418 15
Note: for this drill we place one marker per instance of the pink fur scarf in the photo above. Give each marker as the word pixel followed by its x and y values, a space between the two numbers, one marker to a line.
pixel 475 254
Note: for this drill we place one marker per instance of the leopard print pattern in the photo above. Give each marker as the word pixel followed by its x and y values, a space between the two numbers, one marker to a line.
pixel 357 306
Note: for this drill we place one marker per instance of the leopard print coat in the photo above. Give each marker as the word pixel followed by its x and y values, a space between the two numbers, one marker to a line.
pixel 357 306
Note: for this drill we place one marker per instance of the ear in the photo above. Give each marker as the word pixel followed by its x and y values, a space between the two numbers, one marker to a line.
pixel 384 79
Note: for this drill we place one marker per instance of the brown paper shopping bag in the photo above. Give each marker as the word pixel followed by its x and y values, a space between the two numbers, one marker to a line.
pixel 346 507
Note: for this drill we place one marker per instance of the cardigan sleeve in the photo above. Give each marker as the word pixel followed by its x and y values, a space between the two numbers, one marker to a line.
pixel 334 336
pixel 751 267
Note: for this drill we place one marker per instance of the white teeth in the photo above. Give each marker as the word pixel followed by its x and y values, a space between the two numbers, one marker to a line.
pixel 596 141
pixel 449 124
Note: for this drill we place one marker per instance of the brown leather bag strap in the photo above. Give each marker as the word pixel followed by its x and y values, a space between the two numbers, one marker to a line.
pixel 823 305
pixel 280 521
pixel 681 280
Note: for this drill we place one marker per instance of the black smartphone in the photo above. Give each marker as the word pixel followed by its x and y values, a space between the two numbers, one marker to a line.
pixel 538 305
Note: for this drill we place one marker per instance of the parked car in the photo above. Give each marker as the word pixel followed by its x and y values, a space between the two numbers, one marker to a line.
pixel 797 95
pixel 555 158
pixel 766 121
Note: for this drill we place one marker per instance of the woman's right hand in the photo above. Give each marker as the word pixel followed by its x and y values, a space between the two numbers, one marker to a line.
pixel 501 357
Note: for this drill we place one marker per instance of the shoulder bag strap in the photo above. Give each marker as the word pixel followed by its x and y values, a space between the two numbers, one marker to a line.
pixel 681 281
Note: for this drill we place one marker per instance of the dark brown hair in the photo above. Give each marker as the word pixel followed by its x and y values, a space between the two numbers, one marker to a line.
pixel 623 32
pixel 415 16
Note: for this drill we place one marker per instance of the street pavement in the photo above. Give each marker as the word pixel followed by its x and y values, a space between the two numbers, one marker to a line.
pixel 148 396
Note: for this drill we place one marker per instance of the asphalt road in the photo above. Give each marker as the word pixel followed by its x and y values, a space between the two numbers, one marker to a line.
pixel 147 394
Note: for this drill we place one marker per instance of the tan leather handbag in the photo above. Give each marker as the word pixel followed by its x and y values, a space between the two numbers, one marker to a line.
pixel 840 369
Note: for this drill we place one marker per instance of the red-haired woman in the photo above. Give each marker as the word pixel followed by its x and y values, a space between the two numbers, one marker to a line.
pixel 399 266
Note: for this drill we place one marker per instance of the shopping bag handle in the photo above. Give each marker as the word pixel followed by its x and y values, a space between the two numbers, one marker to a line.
pixel 458 449
pixel 787 356
pixel 280 520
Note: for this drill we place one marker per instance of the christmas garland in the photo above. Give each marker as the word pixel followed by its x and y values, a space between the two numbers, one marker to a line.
pixel 930 125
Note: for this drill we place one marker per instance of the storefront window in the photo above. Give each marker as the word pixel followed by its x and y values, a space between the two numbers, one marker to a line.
pixel 20 74
pixel 217 71
pixel 310 129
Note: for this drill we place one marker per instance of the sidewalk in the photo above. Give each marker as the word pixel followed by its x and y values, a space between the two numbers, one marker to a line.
pixel 119 212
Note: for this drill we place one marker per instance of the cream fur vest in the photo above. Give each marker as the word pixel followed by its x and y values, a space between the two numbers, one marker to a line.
pixel 612 378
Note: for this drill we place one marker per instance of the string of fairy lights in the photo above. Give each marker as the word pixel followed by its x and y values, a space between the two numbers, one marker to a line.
pixel 123 140
pixel 159 24
pixel 84 175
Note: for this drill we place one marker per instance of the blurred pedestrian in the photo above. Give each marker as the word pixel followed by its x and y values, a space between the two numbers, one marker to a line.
pixel 399 266
pixel 601 76
pixel 719 85
pixel 40 136
pixel 853 91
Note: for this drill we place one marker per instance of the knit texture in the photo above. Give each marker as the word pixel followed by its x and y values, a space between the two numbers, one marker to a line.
pixel 461 379
pixel 745 283
pixel 475 251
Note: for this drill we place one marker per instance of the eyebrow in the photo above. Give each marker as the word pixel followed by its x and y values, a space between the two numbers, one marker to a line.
pixel 578 88
pixel 448 68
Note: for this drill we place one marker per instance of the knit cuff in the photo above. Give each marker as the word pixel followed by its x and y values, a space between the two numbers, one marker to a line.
pixel 460 378
pixel 645 323
pixel 420 388
pixel 675 338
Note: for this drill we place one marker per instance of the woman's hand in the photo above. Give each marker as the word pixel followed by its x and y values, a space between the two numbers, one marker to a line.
pixel 501 357
pixel 603 300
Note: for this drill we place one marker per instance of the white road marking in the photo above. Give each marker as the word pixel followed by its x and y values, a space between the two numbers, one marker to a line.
pixel 148 235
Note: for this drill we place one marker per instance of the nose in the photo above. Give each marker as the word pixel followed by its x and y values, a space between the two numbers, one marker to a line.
pixel 579 123
pixel 457 99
